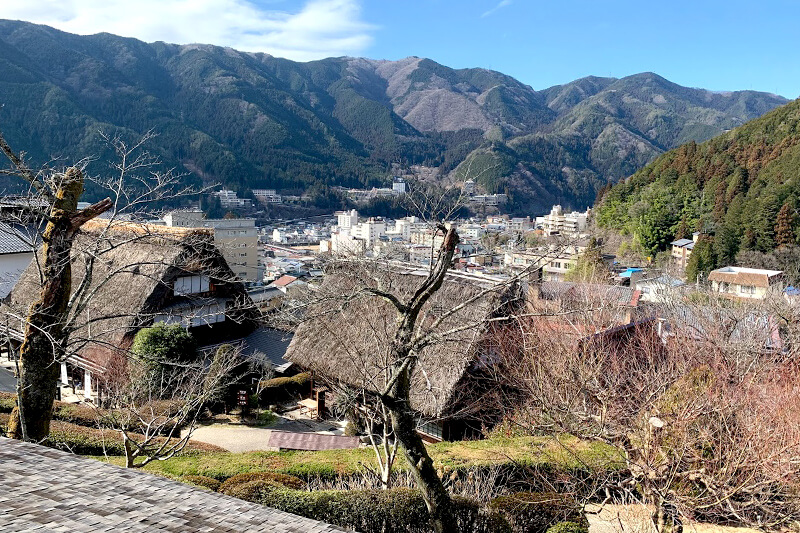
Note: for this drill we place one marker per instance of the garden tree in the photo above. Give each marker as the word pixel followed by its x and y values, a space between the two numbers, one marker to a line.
pixel 45 334
pixel 785 226
pixel 702 261
pixel 163 348
pixel 704 413
pixel 51 205
pixel 155 409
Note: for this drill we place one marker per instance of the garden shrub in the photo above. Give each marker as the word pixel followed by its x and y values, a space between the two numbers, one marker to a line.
pixel 277 390
pixel 283 480
pixel 568 527
pixel 398 510
pixel 210 483
pixel 535 512
pixel 8 400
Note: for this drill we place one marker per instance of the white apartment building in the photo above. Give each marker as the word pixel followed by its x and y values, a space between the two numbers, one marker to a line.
pixel 267 196
pixel 471 231
pixel 347 219
pixel 236 238
pixel 399 185
pixel 229 200
pixel 559 223
pixel 370 231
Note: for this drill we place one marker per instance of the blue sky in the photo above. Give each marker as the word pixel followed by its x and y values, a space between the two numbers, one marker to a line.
pixel 713 44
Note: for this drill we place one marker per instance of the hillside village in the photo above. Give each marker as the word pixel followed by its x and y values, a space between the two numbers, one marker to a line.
pixel 290 298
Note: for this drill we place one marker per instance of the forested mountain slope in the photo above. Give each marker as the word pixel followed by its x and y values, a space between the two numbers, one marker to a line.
pixel 741 188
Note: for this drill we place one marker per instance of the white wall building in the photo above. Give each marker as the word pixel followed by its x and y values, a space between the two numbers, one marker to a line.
pixel 347 219
pixel 559 223
pixel 399 185
pixel 229 200
pixel 267 196
pixel 471 231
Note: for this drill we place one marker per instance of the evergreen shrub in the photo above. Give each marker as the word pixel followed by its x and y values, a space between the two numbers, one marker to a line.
pixel 283 480
pixel 208 482
pixel 277 390
pixel 398 510
pixel 568 527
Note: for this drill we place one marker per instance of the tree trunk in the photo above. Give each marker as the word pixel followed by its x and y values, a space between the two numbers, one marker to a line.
pixel 43 348
pixel 427 479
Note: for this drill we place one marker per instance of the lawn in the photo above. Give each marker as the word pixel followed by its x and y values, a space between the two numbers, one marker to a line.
pixel 568 454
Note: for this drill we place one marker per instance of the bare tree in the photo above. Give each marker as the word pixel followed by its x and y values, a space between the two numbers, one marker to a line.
pixel 701 404
pixel 156 410
pixel 384 327
pixel 51 205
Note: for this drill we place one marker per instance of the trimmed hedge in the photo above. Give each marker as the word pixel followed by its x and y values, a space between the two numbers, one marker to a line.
pixel 284 480
pixel 84 440
pixel 568 527
pixel 369 511
pixel 277 390
pixel 211 483
pixel 535 512
pixel 85 415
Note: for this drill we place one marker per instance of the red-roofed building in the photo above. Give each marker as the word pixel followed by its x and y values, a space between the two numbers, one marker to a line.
pixel 286 283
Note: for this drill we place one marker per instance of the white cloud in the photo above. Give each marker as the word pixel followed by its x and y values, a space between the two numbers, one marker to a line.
pixel 321 28
pixel 500 5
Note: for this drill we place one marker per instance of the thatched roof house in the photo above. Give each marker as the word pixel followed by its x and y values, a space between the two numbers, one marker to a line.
pixel 347 335
pixel 139 274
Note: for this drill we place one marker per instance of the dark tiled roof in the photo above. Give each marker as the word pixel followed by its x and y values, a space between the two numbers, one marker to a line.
pixel 270 343
pixel 12 241
pixel 286 440
pixel 42 489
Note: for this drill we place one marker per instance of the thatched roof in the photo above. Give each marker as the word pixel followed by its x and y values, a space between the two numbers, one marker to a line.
pixel 134 267
pixel 348 334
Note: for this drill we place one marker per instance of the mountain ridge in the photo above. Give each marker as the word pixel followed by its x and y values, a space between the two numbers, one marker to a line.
pixel 251 120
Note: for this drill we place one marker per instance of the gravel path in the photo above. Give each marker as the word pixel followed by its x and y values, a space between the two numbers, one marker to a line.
pixel 238 438
pixel 233 438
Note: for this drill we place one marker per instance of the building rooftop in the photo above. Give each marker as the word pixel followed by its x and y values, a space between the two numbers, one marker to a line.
pixel 12 241
pixel 284 280
pixel 286 440
pixel 681 242
pixel 42 489
pixel 745 276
